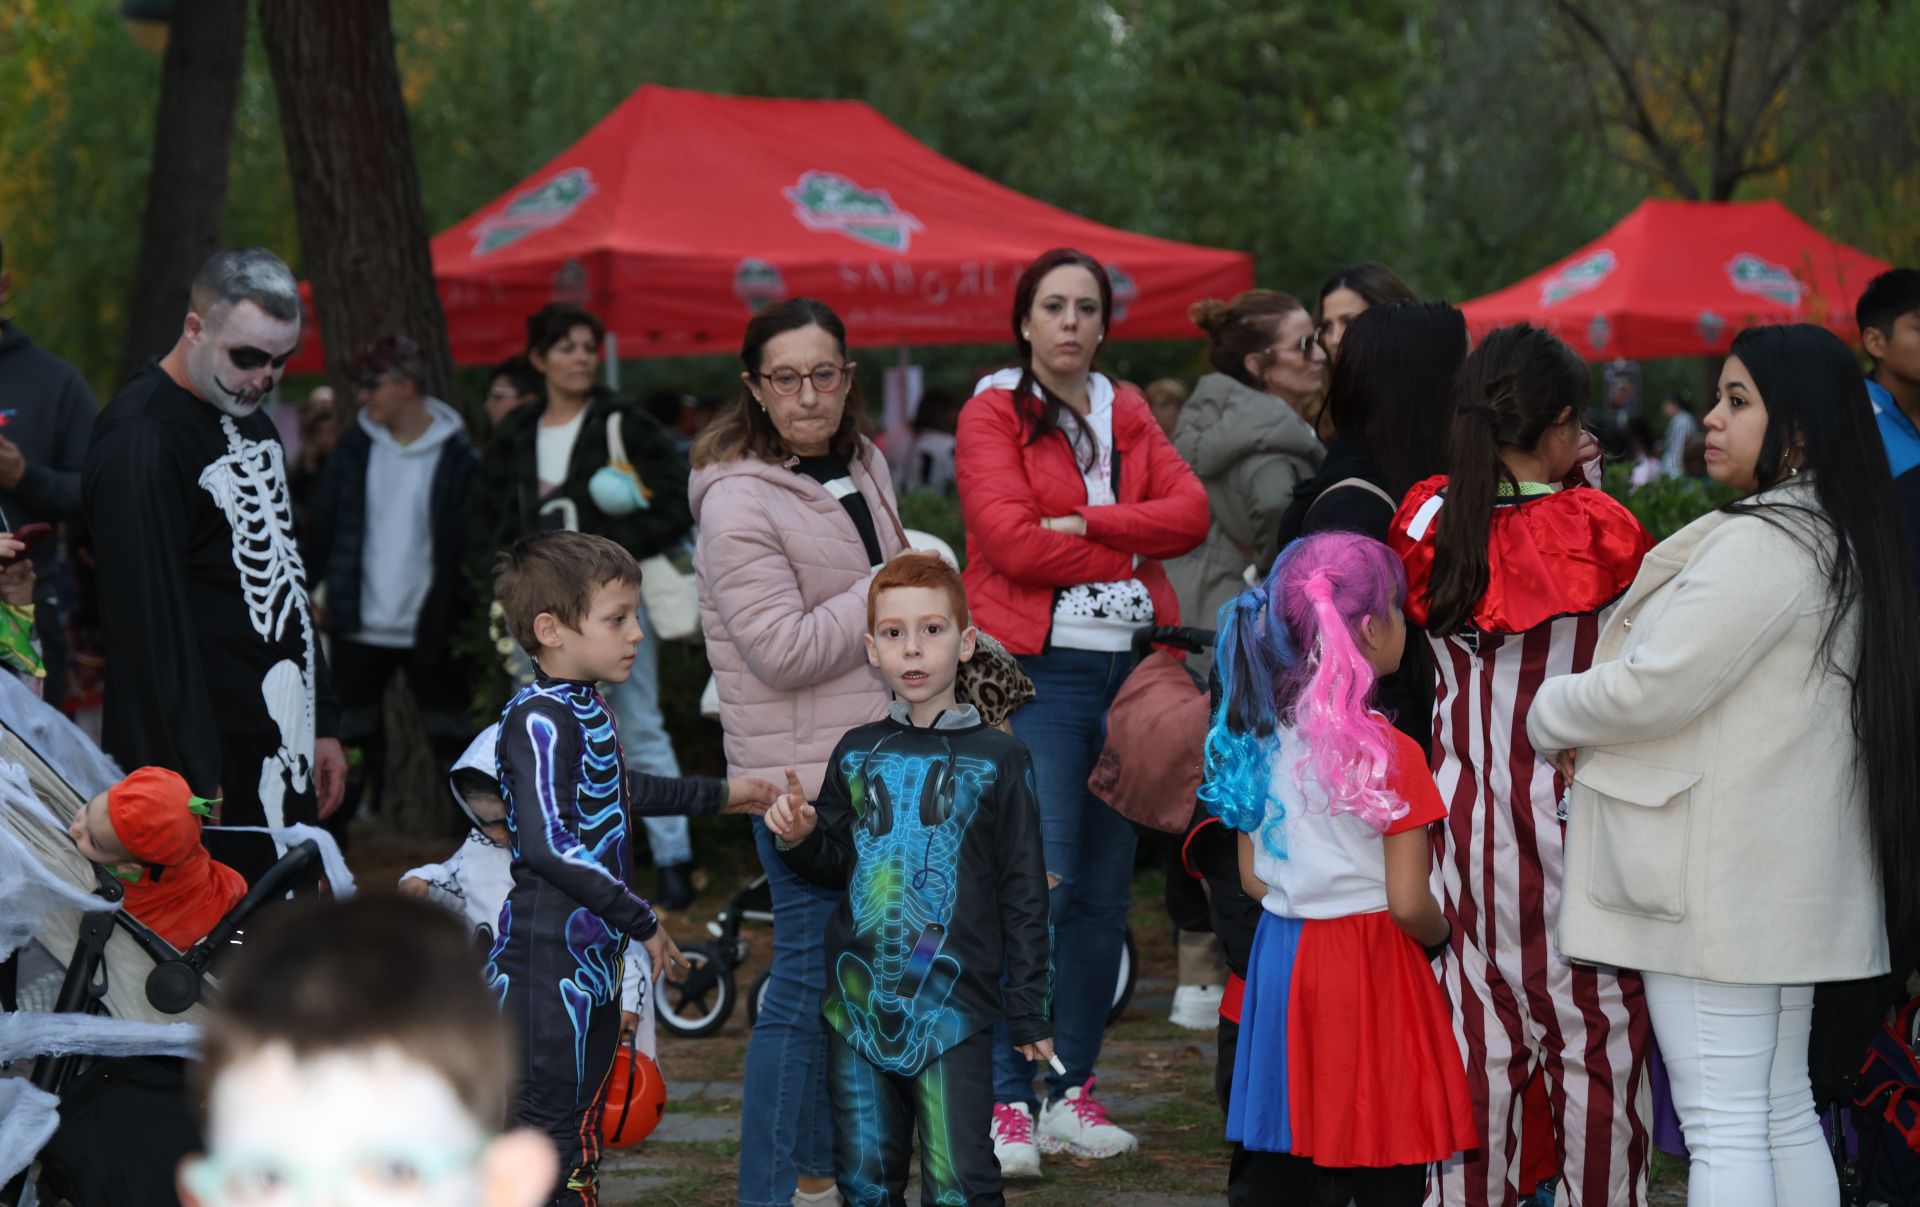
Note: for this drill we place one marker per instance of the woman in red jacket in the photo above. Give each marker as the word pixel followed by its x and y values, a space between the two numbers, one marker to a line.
pixel 1072 496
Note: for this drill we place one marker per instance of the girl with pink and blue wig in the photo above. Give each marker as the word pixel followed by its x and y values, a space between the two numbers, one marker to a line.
pixel 1346 1060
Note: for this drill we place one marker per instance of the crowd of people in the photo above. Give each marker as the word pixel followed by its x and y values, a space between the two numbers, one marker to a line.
pixel 1489 777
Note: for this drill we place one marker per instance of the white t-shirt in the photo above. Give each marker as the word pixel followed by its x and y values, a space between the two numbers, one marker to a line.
pixel 1336 864
pixel 553 449
pixel 1092 616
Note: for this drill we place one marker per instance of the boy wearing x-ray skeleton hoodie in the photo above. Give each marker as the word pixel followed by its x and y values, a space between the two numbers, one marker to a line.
pixel 928 820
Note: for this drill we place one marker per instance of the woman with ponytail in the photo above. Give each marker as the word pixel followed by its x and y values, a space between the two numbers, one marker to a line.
pixel 1745 773
pixel 1072 496
pixel 1512 566
pixel 1333 804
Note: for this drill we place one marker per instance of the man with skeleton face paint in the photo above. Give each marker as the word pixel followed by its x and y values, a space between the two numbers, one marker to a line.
pixel 213 669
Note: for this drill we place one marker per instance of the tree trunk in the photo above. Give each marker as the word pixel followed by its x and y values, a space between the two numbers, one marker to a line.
pixel 187 183
pixel 363 237
pixel 356 189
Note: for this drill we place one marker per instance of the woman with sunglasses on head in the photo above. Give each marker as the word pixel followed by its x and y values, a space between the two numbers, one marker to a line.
pixel 538 475
pixel 1749 723
pixel 1247 441
pixel 796 511
pixel 1351 292
pixel 1514 561
pixel 1072 495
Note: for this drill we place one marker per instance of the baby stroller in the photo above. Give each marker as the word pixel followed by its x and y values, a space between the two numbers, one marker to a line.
pixel 702 1003
pixel 61 958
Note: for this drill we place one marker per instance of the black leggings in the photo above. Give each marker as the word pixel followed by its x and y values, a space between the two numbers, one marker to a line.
pixel 1298 1182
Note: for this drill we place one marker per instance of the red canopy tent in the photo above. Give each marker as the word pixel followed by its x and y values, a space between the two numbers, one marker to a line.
pixel 1682 278
pixel 682 212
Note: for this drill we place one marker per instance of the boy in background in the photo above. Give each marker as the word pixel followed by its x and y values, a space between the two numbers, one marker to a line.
pixel 928 820
pixel 569 600
pixel 354 1056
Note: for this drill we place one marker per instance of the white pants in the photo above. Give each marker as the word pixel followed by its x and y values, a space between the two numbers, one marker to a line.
pixel 1737 1060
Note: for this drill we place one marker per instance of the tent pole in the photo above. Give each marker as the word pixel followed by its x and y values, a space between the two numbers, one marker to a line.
pixel 613 362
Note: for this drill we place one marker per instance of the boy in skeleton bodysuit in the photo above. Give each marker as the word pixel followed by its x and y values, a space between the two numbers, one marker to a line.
pixel 212 666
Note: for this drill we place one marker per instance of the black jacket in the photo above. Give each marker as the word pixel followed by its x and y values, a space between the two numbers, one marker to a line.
pixel 935 836
pixel 46 409
pixel 338 527
pixel 508 505
pixel 1406 695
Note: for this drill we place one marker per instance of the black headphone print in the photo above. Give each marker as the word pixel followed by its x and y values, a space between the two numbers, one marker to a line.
pixel 937 792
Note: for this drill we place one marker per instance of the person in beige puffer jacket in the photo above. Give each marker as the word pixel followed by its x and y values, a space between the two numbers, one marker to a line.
pixel 795 510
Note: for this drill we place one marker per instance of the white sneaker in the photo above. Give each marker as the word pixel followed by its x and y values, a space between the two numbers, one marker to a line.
pixel 1013 1143
pixel 1078 1124
pixel 1197 1007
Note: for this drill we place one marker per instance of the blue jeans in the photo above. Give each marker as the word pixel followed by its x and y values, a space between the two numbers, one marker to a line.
pixel 1088 847
pixel 786 1120
pixel 643 735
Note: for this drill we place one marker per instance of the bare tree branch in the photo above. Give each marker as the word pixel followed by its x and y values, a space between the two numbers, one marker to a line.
pixel 1636 116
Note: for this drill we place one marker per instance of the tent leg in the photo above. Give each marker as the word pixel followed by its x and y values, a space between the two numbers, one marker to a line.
pixel 613 362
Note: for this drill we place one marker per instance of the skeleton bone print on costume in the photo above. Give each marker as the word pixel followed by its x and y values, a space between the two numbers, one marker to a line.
pixel 249 484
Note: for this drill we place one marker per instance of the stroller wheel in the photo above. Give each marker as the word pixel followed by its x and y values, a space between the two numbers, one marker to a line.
pixel 1129 973
pixel 700 1004
pixel 757 995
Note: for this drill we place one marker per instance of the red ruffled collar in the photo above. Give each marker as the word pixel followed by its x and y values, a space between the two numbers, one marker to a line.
pixel 1574 551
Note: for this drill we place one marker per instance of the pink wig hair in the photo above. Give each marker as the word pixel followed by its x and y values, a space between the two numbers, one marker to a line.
pixel 1325 586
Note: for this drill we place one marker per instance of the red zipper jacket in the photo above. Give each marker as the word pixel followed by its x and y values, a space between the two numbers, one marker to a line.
pixel 1008 486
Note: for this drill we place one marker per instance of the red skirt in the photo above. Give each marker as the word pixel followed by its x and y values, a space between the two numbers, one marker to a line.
pixel 1346 1053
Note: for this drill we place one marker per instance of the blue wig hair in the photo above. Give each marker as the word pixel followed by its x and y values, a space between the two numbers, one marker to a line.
pixel 1287 656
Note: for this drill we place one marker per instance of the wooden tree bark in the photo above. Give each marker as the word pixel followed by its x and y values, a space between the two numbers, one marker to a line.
pixel 363 238
pixel 187 184
pixel 356 189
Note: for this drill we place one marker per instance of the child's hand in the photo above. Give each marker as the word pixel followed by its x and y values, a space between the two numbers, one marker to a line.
pixel 1040 1050
pixel 1563 763
pixel 666 955
pixel 792 819
pixel 413 886
pixel 629 1024
pixel 750 794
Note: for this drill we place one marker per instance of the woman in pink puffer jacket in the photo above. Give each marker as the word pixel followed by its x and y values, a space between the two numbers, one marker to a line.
pixel 795 510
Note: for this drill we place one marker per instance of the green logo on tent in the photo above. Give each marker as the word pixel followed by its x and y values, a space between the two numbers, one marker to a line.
pixel 758 284
pixel 1748 273
pixel 1125 291
pixel 824 201
pixel 1579 277
pixel 539 208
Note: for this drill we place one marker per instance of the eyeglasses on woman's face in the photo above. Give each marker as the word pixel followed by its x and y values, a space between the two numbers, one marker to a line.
pixel 826 379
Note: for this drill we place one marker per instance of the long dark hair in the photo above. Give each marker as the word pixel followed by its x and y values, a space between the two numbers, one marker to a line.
pixel 1392 387
pixel 1377 284
pixel 745 427
pixel 1510 392
pixel 1044 418
pixel 1813 390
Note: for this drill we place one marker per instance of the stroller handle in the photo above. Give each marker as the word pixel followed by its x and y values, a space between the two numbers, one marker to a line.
pixel 1182 637
pixel 300 862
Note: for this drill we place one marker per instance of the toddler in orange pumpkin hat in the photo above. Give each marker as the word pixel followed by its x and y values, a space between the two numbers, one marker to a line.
pixel 146 830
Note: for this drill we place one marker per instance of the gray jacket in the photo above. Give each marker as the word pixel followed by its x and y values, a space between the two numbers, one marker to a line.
pixel 1249 449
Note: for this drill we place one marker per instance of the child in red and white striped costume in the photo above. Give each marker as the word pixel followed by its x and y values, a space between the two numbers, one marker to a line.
pixel 1512 574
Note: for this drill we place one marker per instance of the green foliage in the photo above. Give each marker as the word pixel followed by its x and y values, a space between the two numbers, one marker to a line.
pixel 938 515
pixel 1666 505
pixel 1452 140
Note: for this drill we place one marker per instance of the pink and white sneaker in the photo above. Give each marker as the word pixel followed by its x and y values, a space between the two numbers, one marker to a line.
pixel 1013 1140
pixel 1078 1124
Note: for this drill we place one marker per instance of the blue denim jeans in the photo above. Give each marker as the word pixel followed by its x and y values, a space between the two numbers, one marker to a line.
pixel 1088 847
pixel 643 735
pixel 786 1120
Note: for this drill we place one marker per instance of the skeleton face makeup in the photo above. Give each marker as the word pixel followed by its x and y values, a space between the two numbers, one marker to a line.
pixel 236 355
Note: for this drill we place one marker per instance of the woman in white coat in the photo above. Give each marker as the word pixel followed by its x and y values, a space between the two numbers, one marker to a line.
pixel 1745 773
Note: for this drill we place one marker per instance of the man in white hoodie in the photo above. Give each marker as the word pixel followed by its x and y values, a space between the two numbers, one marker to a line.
pixel 387 537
